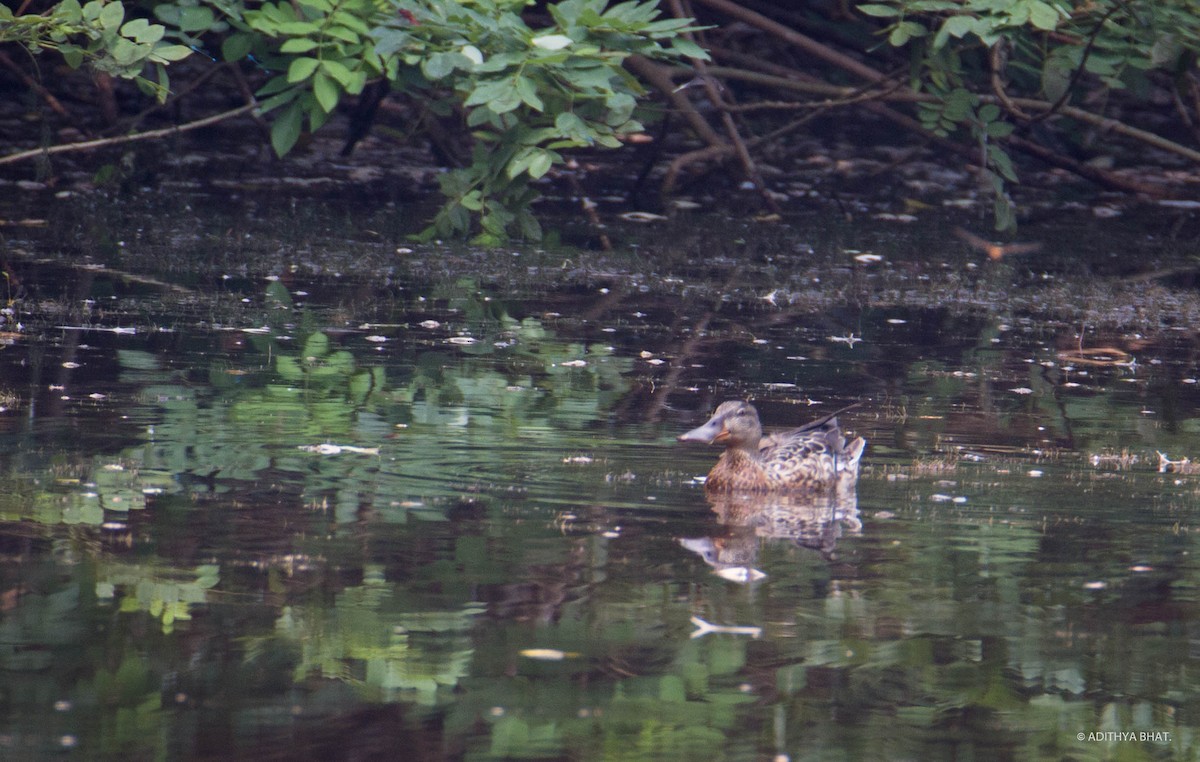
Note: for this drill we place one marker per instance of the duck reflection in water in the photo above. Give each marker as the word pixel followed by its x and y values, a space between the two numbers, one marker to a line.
pixel 799 485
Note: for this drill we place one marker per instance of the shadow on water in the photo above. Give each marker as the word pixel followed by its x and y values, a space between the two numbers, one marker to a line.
pixel 433 507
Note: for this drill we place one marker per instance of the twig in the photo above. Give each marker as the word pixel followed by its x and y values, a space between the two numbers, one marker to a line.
pixel 1079 69
pixel 54 103
pixel 731 131
pixel 1095 174
pixel 586 205
pixel 997 60
pixel 681 161
pixel 868 73
pixel 792 37
pixel 88 145
pixel 658 75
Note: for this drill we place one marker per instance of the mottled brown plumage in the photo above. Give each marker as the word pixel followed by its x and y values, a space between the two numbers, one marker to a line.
pixel 814 457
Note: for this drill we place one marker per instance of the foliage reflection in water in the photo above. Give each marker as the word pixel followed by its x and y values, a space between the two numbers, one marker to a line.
pixel 461 528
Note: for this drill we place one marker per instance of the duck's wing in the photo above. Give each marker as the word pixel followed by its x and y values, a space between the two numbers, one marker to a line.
pixel 810 454
pixel 822 434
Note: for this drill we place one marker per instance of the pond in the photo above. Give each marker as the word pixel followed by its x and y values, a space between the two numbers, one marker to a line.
pixel 303 496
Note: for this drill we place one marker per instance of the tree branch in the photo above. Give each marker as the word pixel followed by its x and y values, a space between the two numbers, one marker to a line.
pixel 89 145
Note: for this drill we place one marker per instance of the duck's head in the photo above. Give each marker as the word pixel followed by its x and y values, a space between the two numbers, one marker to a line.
pixel 734 424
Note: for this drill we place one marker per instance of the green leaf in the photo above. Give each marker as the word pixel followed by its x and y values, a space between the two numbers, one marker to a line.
pixel 339 71
pixel 72 54
pixel 999 129
pixel 540 164
pixel 92 10
pixel 325 91
pixel 472 201
pixel 905 31
pixel 960 26
pixel 237 46
pixel 134 28
pixel 527 91
pixel 125 52
pixel 345 34
pixel 358 80
pixel 1055 79
pixel 879 11
pixel 288 368
pixel 685 47
pixel 297 45
pixel 316 346
pixel 1000 161
pixel 298 28
pixel 519 163
pixel 286 129
pixel 196 19
pixel 489 90
pixel 1043 16
pixel 301 69
pixel 441 65
pixel 111 15
pixel 168 53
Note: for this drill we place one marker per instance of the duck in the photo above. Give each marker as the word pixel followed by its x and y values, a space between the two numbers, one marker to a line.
pixel 813 458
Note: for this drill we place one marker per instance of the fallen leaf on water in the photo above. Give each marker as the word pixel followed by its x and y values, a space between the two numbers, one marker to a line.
pixel 547 654
pixel 642 217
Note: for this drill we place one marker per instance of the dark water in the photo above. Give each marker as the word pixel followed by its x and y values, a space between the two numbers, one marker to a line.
pixel 402 517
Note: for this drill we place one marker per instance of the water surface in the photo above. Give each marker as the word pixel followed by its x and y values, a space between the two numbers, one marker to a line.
pixel 286 512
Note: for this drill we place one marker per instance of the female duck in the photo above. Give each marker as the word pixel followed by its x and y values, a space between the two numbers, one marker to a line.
pixel 814 457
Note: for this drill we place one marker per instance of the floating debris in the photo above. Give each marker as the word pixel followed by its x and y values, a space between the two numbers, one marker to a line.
pixel 850 340
pixel 547 654
pixel 463 340
pixel 642 217
pixel 333 449
pixel 742 574
pixel 573 363
pixel 1099 356
pixel 119 330
pixel 377 339
pixel 704 628
pixel 430 324
pixel 1179 203
pixel 1181 466
pixel 940 498
pixel 1021 390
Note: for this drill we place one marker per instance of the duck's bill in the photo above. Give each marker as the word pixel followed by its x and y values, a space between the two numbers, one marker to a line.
pixel 710 433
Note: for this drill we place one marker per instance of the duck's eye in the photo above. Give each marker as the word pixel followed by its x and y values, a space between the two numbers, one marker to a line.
pixel 742 411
